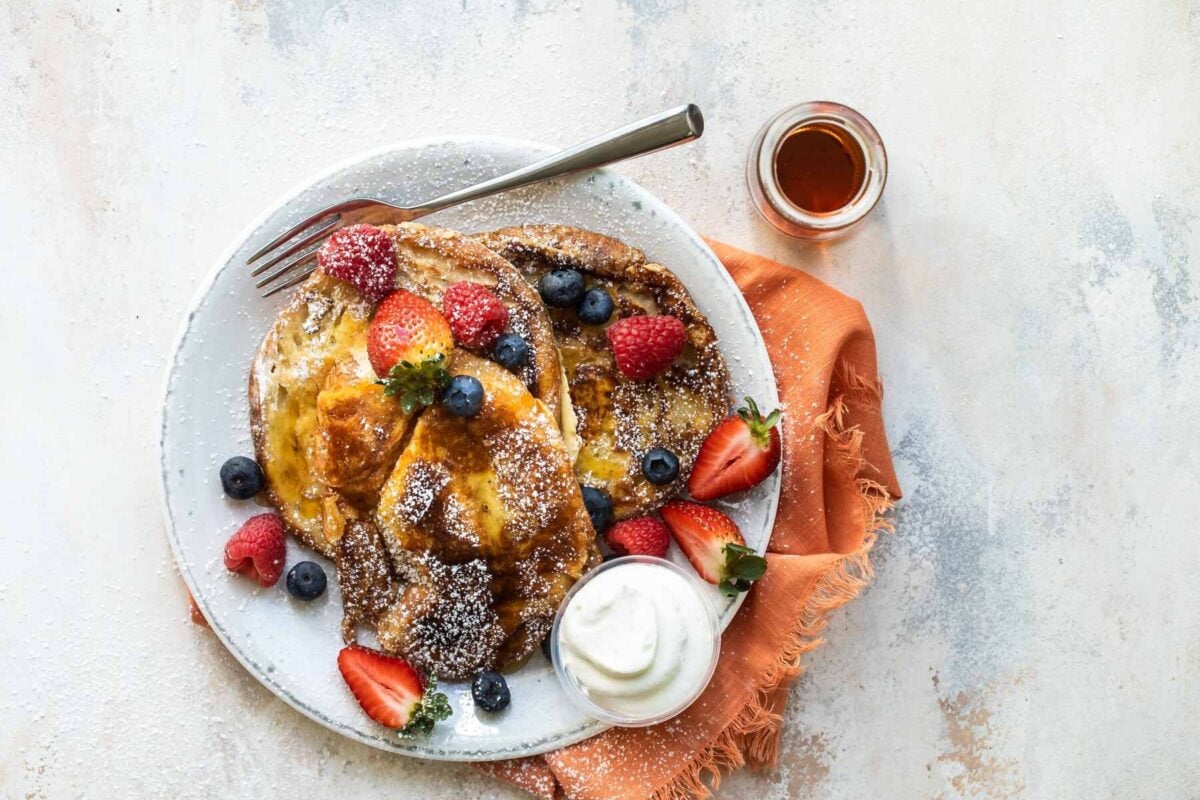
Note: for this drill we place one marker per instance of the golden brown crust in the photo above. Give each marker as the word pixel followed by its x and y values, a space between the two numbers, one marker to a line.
pixel 322 327
pixel 495 490
pixel 319 309
pixel 328 440
pixel 433 258
pixel 619 418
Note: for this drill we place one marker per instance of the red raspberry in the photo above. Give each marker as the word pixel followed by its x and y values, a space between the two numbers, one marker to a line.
pixel 641 536
pixel 475 313
pixel 364 256
pixel 644 345
pixel 257 550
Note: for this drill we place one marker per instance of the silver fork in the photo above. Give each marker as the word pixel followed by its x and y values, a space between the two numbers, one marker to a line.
pixel 303 240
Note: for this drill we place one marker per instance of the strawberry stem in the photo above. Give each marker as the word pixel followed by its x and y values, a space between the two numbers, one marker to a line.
pixel 760 428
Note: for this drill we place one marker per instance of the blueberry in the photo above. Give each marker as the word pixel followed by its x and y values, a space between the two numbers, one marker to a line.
pixel 561 288
pixel 599 508
pixel 306 581
pixel 596 307
pixel 490 691
pixel 464 396
pixel 610 557
pixel 546 651
pixel 241 478
pixel 510 351
pixel 660 466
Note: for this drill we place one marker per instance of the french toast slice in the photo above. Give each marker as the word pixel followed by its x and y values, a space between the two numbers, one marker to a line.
pixel 619 419
pixel 489 500
pixel 323 326
pixel 320 423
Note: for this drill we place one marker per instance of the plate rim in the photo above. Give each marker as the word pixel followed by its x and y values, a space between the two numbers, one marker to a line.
pixel 537 150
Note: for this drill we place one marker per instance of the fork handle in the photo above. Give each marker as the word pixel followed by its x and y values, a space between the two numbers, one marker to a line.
pixel 658 132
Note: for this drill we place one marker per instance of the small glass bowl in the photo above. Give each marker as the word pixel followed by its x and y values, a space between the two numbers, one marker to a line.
pixel 573 690
pixel 774 205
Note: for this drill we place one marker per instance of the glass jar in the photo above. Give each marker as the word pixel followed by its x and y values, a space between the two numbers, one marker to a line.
pixel 863 146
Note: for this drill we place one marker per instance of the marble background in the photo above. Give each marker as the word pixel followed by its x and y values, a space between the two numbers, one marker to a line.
pixel 1031 274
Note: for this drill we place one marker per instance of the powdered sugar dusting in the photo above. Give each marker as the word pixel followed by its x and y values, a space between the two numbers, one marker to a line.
pixel 285 645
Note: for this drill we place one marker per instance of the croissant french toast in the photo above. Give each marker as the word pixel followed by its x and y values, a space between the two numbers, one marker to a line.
pixel 319 420
pixel 491 495
pixel 620 419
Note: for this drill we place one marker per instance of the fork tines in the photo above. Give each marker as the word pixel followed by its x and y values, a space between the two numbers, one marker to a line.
pixel 299 256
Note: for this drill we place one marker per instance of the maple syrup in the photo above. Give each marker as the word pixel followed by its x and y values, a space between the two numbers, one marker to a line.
pixel 817 170
pixel 819 167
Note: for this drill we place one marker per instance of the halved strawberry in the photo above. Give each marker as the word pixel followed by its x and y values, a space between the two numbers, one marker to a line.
pixel 739 453
pixel 714 545
pixel 391 691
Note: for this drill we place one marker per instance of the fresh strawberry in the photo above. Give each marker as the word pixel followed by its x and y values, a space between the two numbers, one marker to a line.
pixel 362 255
pixel 391 691
pixel 644 346
pixel 476 314
pixel 408 343
pixel 257 550
pixel 714 545
pixel 641 536
pixel 406 327
pixel 739 453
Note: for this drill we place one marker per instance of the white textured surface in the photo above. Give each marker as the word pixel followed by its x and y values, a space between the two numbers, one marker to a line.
pixel 1035 628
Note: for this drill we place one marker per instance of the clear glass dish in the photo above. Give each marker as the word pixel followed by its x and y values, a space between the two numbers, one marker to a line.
pixel 768 196
pixel 577 694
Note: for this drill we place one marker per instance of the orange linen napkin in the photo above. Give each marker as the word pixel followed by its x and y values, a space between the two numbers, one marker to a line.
pixel 837 483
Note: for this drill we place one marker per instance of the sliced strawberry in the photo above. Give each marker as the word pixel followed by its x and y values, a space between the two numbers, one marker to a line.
pixel 391 691
pixel 714 545
pixel 641 536
pixel 739 453
pixel 258 549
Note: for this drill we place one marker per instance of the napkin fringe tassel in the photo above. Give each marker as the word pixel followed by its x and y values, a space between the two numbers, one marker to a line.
pixel 754 734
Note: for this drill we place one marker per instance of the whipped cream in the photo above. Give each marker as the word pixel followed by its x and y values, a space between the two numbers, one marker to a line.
pixel 638 641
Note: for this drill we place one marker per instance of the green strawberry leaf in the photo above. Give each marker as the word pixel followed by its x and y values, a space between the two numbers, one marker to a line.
pixel 742 567
pixel 417 385
pixel 760 428
pixel 434 707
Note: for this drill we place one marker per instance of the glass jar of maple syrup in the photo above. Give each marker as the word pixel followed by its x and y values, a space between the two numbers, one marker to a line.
pixel 816 170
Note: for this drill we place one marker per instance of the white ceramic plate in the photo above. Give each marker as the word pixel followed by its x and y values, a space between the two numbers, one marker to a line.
pixel 292 647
